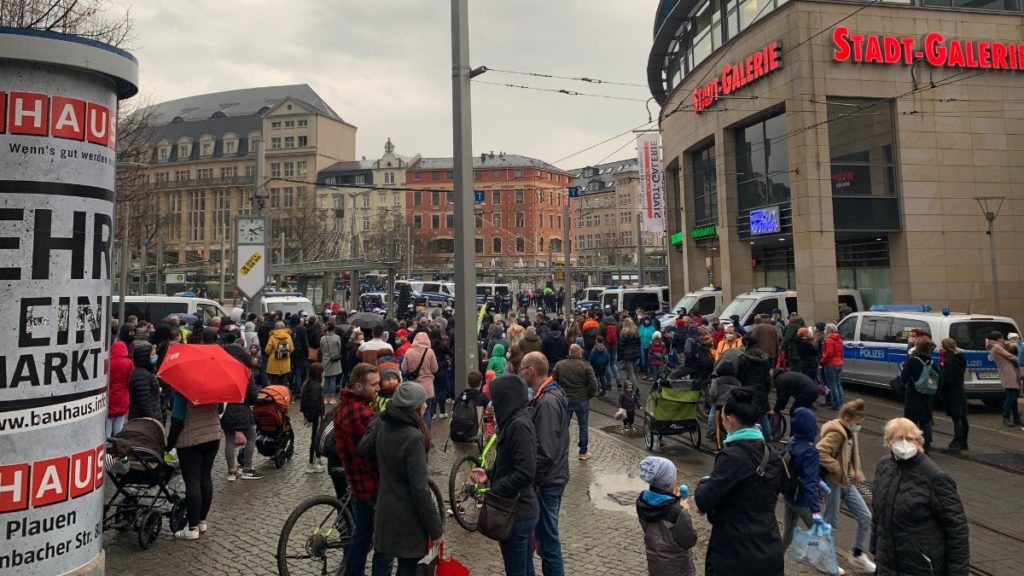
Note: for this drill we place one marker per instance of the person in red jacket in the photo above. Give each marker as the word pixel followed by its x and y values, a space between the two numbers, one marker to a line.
pixel 832 365
pixel 117 389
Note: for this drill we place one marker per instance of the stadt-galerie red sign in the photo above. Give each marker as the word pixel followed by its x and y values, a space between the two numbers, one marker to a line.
pixel 934 49
pixel 735 76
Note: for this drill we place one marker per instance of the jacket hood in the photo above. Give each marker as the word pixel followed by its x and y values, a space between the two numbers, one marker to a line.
pixel 834 336
pixel 510 398
pixel 556 334
pixel 497 331
pixel 600 347
pixel 532 337
pixel 119 350
pixel 498 350
pixel 957 357
pixel 162 333
pixel 803 425
pixel 140 354
pixel 126 332
pixel 280 332
pixel 655 505
pixel 399 416
pixel 422 340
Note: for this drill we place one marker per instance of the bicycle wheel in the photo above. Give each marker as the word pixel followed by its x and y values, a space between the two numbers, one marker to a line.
pixel 438 500
pixel 463 495
pixel 315 538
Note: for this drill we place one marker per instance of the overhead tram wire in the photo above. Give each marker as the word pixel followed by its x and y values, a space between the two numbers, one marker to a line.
pixel 574 78
pixel 616 137
pixel 560 91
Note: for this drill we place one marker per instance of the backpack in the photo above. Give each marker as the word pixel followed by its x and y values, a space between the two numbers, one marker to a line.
pixel 700 356
pixel 611 334
pixel 282 349
pixel 464 425
pixel 788 483
pixel 928 382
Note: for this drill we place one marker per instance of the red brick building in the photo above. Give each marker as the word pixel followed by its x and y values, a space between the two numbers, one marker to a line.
pixel 519 225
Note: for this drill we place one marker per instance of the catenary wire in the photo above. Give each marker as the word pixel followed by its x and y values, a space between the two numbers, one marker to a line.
pixel 575 78
pixel 560 91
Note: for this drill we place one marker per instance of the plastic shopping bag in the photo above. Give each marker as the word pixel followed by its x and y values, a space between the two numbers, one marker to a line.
pixel 450 566
pixel 620 414
pixel 815 548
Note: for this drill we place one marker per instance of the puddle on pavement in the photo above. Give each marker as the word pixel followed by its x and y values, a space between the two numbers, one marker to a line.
pixel 626 488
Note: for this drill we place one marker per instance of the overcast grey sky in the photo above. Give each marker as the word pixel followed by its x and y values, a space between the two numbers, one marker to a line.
pixel 385 66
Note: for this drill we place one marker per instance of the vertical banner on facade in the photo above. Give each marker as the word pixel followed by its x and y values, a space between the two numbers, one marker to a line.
pixel 57 180
pixel 652 181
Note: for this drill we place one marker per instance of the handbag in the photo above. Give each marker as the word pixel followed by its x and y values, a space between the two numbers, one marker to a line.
pixel 496 517
pixel 427 566
pixel 314 354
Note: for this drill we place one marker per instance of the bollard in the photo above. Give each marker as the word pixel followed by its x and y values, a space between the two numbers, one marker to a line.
pixel 58 116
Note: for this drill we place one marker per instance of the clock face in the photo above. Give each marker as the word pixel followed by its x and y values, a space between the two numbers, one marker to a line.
pixel 250 230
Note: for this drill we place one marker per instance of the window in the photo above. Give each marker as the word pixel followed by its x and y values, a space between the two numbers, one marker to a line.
pixel 197 215
pixel 275 169
pixel 435 198
pixel 289 141
pixel 300 194
pixel 435 221
pixel 551 221
pixel 847 328
pixel 226 173
pixel 275 125
pixel 289 169
pixel 495 174
pixel 182 175
pixel 417 221
pixel 222 215
pixel 173 225
pixel 300 167
pixel 366 223
pixel 287 197
pixel 360 179
pixel 366 201
pixel 303 123
pixel 449 175
pixel 478 245
pixel 540 244
pixel 250 171
pixel 479 220
pixel 389 178
pixel 275 143
pixel 184 150
pixel 302 141
pixel 449 221
pixel 860 139
pixel 417 198
pixel 520 244
pixel 162 177
pixel 705 190
pixel 252 144
pixel 874 328
pixel 417 176
pixel 496 246
pixel 519 172
pixel 275 197
pixel 519 196
pixel 204 174
pixel 206 149
pixel 496 219
pixel 163 153
pixel 435 176
pixel 496 197
pixel 762 163
pixel 448 195
pixel 289 123
pixel 478 174
pixel 520 219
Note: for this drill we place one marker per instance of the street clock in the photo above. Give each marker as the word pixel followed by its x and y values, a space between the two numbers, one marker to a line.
pixel 251 231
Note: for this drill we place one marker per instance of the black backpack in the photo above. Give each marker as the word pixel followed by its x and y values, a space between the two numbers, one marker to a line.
pixel 464 426
pixel 788 483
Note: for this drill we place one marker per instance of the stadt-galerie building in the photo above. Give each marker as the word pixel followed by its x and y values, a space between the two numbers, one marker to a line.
pixel 821 145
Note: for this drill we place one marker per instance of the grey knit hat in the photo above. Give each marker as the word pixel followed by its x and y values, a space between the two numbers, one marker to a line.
pixel 409 395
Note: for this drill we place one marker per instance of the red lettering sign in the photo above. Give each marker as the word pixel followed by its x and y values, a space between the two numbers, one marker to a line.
pixel 736 76
pixel 31 114
pixel 934 48
pixel 101 455
pixel 14 482
pixel 82 470
pixel 99 124
pixel 49 481
pixel 68 118
pixel 3 117
pixel 27 113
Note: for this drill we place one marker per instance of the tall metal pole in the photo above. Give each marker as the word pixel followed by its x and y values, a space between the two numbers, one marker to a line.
pixel 567 273
pixel 144 263
pixel 466 348
pixel 352 230
pixel 255 304
pixel 124 262
pixel 223 262
pixel 991 217
pixel 160 260
pixel 408 252
pixel 640 247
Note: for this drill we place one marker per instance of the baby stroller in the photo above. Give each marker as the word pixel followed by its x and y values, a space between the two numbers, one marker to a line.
pixel 144 496
pixel 672 409
pixel 275 438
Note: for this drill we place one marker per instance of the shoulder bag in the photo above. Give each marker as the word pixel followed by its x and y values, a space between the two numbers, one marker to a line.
pixel 497 517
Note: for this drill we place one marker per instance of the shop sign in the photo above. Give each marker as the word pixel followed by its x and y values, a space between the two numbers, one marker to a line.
pixel 652 201
pixel 934 48
pixel 676 238
pixel 708 231
pixel 765 221
pixel 736 76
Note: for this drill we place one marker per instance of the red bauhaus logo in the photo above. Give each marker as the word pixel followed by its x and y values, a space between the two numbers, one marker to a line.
pixel 33 114
pixel 44 482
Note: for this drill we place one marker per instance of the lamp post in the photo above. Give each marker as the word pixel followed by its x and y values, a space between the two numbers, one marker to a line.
pixel 990 206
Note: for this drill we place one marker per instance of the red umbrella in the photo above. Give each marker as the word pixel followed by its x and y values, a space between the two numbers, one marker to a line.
pixel 204 373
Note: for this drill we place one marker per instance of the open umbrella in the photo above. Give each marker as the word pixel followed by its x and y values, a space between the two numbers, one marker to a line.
pixel 366 321
pixel 204 373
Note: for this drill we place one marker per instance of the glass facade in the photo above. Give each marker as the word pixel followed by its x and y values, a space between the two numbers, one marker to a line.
pixel 705 186
pixel 762 163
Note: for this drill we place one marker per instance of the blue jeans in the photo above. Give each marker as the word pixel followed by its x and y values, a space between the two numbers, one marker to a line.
pixel 643 360
pixel 114 424
pixel 331 384
pixel 834 382
pixel 362 539
pixel 516 550
pixel 1010 408
pixel 299 373
pixel 441 391
pixel 613 368
pixel 850 496
pixel 605 377
pixel 711 419
pixel 549 547
pixel 766 427
pixel 428 415
pixel 582 412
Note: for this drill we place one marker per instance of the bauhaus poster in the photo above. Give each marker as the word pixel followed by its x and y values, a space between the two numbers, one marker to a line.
pixel 652 181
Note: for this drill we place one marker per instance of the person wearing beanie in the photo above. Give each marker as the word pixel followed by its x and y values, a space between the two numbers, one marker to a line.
pixel 657 355
pixel 402 343
pixel 400 440
pixel 804 464
pixel 664 514
pixel 390 378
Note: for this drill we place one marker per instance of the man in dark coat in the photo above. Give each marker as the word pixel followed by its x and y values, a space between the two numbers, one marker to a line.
pixel 143 387
pixel 554 345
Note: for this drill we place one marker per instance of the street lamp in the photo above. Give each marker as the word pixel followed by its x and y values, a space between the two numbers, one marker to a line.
pixel 990 206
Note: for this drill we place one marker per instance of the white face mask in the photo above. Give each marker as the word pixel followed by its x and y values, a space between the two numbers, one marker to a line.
pixel 904 449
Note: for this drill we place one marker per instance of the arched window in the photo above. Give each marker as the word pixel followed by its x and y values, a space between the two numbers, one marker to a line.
pixel 184 148
pixel 230 144
pixel 206 146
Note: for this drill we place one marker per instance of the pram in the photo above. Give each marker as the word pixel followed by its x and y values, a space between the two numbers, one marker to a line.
pixel 275 438
pixel 135 464
pixel 673 408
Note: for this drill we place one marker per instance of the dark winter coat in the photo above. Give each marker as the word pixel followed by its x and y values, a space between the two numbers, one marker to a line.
pixel 404 498
pixel 576 376
pixel 804 460
pixel 551 424
pixel 916 406
pixel 530 343
pixel 515 464
pixel 143 387
pixel 789 338
pixel 311 401
pixel 918 522
pixel 629 347
pixel 951 384
pixel 807 352
pixel 238 416
pixel 668 534
pixel 554 347
pixel 740 505
pixel 797 386
pixel 721 386
pixel 753 370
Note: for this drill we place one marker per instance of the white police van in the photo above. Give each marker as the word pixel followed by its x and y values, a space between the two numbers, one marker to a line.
pixel 875 345
pixel 706 302
pixel 157 308
pixel 485 291
pixel 764 300
pixel 650 298
pixel 590 297
pixel 286 303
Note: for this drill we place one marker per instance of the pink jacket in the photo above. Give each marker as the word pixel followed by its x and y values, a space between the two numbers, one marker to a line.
pixel 421 346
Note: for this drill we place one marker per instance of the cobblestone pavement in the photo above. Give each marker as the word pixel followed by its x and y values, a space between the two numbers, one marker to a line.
pixel 599 536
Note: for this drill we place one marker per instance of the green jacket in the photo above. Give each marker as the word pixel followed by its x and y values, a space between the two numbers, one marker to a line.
pixel 575 376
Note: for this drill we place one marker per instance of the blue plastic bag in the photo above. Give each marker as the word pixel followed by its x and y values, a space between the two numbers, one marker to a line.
pixel 815 548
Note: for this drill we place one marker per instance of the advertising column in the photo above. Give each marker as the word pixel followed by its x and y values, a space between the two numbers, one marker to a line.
pixel 58 114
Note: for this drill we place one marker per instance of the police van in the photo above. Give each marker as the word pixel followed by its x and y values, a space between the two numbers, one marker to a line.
pixel 875 346
pixel 156 308
pixel 764 300
pixel 485 291
pixel 590 297
pixel 629 298
pixel 287 303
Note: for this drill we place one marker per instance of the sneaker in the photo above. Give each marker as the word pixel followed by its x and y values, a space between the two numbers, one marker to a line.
pixel 232 476
pixel 585 456
pixel 442 416
pixel 251 474
pixel 310 469
pixel 318 467
pixel 203 527
pixel 863 564
pixel 841 571
pixel 187 534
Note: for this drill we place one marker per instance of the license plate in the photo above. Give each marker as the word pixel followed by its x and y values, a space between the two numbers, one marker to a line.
pixel 988 375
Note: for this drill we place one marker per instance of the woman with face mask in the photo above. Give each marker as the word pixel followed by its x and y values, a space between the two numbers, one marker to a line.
pixel 919 522
pixel 839 454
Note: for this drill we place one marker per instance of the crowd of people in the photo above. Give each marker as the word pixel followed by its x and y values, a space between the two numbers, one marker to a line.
pixel 371 397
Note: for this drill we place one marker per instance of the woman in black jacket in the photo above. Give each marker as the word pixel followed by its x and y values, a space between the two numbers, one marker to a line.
pixel 143 387
pixel 918 521
pixel 237 421
pixel 740 500
pixel 444 366
pixel 629 349
pixel 951 387
pixel 400 439
pixel 515 469
pixel 917 407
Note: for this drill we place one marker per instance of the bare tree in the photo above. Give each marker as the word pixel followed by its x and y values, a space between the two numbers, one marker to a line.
pixel 93 19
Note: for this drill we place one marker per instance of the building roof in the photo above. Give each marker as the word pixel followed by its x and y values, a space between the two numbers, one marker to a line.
pixel 349 166
pixel 243 102
pixel 486 161
pixel 600 178
pixel 241 126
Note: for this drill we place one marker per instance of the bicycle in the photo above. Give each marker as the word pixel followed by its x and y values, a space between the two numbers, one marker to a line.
pixel 465 496
pixel 321 543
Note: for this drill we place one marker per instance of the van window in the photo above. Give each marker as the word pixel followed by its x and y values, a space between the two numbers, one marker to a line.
pixel 764 307
pixel 849 300
pixel 501 289
pixel 664 295
pixel 971 335
pixel 157 311
pixel 704 306
pixel 790 304
pixel 428 287
pixel 874 328
pixel 483 290
pixel 900 329
pixel 848 329
pixel 610 300
pixel 649 301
